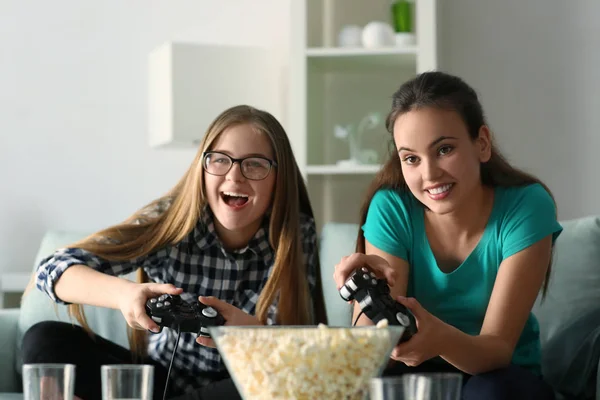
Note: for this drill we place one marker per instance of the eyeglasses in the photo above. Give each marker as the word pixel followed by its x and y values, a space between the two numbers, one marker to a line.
pixel 253 168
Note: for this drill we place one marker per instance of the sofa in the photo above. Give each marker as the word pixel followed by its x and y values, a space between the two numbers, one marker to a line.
pixel 569 316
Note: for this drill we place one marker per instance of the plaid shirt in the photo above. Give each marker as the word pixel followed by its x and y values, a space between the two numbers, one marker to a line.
pixel 199 265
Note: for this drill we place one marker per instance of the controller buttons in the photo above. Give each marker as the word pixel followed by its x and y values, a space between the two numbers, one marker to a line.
pixel 364 269
pixel 162 297
pixel 403 319
pixel 373 282
pixel 156 319
pixel 373 275
pixel 209 312
pixel 365 277
pixel 167 304
pixel 152 301
pixel 159 305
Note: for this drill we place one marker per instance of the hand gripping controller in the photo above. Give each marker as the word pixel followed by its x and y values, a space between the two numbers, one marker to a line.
pixel 373 296
pixel 172 312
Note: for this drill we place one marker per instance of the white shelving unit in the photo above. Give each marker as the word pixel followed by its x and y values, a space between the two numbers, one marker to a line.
pixel 331 86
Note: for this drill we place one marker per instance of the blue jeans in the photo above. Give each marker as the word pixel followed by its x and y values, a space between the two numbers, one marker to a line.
pixel 510 383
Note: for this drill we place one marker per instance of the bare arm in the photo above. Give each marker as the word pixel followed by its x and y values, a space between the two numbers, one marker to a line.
pixel 80 277
pixel 81 284
pixel 401 270
pixel 518 283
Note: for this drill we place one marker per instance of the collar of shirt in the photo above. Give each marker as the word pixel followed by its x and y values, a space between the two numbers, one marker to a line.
pixel 205 236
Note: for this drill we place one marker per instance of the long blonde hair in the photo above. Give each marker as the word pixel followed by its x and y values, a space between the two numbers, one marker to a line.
pixel 140 234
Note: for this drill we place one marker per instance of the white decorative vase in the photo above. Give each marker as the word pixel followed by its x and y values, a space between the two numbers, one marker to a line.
pixel 378 34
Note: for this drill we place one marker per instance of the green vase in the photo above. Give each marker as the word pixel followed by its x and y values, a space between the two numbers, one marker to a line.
pixel 402 15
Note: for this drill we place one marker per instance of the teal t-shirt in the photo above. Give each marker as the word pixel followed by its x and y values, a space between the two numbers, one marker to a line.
pixel 520 217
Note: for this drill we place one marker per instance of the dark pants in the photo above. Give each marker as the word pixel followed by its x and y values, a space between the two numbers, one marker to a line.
pixel 60 342
pixel 510 383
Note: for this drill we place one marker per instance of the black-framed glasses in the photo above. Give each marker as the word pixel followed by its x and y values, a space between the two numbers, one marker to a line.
pixel 253 168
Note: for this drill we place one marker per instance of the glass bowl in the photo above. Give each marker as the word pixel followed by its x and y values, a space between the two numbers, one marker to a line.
pixel 304 362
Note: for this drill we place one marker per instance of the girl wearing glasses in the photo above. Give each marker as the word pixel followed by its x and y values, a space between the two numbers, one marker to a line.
pixel 236 230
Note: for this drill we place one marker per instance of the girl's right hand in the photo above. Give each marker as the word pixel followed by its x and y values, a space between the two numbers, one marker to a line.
pixel 133 303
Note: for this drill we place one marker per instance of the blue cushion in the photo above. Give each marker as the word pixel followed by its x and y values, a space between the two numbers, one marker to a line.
pixel 574 289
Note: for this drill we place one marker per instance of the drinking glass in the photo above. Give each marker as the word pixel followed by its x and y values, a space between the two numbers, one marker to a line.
pixel 48 381
pixel 127 381
pixel 426 386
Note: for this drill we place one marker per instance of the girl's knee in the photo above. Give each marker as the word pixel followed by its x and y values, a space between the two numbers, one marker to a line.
pixel 510 383
pixel 42 340
pixel 488 386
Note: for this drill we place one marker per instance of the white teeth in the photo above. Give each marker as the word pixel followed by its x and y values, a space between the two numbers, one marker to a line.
pixel 233 194
pixel 440 189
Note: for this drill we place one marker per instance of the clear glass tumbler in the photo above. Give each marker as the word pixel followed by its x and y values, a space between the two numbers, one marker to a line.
pixel 127 381
pixel 426 386
pixel 48 381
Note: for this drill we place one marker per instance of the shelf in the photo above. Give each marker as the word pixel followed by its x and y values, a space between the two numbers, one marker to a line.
pixel 344 58
pixel 342 170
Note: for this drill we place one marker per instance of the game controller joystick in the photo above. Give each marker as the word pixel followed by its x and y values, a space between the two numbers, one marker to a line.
pixel 171 312
pixel 374 298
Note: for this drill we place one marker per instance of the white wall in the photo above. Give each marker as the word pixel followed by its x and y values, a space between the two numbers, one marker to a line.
pixel 73 107
pixel 536 65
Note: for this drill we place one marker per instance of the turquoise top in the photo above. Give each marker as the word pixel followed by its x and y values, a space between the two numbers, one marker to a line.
pixel 520 217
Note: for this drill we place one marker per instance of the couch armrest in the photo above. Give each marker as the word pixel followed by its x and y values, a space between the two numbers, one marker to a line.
pixel 9 319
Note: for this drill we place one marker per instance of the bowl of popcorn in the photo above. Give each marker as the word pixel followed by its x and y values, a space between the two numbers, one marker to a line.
pixel 304 362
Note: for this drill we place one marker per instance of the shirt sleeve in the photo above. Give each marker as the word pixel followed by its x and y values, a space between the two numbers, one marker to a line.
pixel 388 226
pixel 531 218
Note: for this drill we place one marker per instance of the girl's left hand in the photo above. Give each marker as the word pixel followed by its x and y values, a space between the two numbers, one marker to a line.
pixel 231 314
pixel 425 344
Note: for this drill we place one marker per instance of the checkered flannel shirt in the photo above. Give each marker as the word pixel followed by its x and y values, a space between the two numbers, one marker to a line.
pixel 201 266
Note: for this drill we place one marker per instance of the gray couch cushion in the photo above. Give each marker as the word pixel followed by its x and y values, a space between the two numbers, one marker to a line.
pixel 574 288
pixel 569 317
pixel 571 357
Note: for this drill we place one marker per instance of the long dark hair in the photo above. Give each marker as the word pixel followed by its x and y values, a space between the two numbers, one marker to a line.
pixel 447 92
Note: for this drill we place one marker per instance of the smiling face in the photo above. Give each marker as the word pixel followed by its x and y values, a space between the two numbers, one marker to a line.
pixel 239 204
pixel 440 162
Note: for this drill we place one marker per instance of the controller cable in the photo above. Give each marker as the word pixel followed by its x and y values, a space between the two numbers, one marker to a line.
pixel 357 317
pixel 171 363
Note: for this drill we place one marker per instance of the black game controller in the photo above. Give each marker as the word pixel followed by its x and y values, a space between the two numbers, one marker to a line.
pixel 172 312
pixel 373 296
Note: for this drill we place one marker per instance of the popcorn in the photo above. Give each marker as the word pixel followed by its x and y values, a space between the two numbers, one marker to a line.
pixel 305 363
